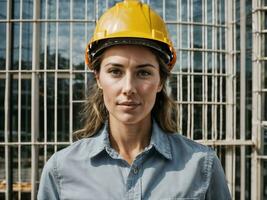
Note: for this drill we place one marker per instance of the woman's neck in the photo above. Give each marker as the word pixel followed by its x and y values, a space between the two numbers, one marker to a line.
pixel 129 139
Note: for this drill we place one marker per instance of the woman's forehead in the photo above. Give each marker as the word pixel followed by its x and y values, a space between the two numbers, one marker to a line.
pixel 136 53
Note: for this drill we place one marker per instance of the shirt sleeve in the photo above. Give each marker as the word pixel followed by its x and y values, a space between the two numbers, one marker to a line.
pixel 49 183
pixel 218 188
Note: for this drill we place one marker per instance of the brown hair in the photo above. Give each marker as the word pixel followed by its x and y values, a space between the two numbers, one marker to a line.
pixel 95 113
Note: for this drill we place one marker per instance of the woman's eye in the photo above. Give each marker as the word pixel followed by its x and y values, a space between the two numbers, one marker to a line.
pixel 144 73
pixel 115 72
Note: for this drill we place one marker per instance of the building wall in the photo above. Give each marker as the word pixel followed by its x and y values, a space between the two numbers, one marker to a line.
pixel 44 81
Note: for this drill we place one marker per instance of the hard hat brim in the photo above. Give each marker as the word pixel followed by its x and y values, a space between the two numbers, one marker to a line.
pixel 96 48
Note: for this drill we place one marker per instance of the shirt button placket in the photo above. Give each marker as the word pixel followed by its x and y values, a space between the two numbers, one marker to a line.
pixel 136 188
pixel 135 170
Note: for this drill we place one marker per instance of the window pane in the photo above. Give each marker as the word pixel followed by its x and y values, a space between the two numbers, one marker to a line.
pixel 264 105
pixel 221 113
pixel 185 88
pixel 14 161
pixel 223 39
pixel 172 28
pixel 3 9
pixel 210 87
pixel 158 7
pixel 210 61
pixel 79 86
pixel 198 129
pixel 27 10
pixel 26 62
pixel 210 121
pixel 41 107
pixel 14 110
pixel 209 11
pixel 26 110
pixel 184 10
pixel 63 46
pixel 64 9
pixel 102 6
pixel 197 10
pixel 184 36
pixel 222 10
pixel 42 44
pixel 79 9
pixel 50 107
pixel 264 72
pixel 15 47
pixel 185 60
pixel 52 9
pixel 185 114
pixel 197 61
pixel 91 10
pixel 43 9
pixel 2 163
pixel 209 37
pixel 63 110
pixel 173 86
pixel 2 110
pixel 197 36
pixel 171 10
pixel 51 46
pixel 26 164
pixel 264 173
pixel 2 46
pixel 16 9
pixel 198 88
pixel 220 37
pixel 78 45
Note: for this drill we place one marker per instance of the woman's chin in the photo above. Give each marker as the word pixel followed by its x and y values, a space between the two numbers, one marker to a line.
pixel 130 119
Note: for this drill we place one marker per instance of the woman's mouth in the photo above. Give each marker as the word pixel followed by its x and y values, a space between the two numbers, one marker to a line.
pixel 129 104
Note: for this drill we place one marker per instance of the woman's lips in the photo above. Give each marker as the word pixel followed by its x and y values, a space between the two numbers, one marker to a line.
pixel 129 105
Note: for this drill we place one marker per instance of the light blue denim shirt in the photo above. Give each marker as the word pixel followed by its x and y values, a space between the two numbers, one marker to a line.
pixel 171 167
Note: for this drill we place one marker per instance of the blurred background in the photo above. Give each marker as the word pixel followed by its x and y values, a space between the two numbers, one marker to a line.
pixel 219 83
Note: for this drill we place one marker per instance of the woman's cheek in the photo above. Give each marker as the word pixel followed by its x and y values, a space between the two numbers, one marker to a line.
pixel 150 87
pixel 107 81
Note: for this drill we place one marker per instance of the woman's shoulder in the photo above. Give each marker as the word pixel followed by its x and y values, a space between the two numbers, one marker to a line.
pixel 181 143
pixel 185 151
pixel 80 146
pixel 76 151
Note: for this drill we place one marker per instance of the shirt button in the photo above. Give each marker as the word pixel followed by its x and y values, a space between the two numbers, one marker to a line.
pixel 135 170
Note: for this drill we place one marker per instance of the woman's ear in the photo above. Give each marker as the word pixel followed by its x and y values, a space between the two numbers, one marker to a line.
pixel 97 79
pixel 160 86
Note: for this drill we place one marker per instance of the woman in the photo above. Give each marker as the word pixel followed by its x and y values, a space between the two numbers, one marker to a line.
pixel 128 148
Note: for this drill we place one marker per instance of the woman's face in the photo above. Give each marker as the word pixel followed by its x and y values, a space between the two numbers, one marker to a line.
pixel 130 79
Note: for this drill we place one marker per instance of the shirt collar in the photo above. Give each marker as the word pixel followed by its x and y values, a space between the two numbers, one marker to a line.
pixel 159 140
pixel 100 141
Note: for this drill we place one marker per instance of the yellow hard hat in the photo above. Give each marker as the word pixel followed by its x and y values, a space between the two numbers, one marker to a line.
pixel 131 22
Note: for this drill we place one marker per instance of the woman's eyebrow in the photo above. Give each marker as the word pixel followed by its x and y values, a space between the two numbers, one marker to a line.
pixel 121 65
pixel 113 64
pixel 146 65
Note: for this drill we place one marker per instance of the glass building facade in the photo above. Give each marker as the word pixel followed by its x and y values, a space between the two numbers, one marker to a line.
pixel 219 83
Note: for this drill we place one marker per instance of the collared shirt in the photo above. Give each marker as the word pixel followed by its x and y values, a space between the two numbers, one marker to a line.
pixel 171 167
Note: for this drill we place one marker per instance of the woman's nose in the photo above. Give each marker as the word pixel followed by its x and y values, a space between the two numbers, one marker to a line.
pixel 129 85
